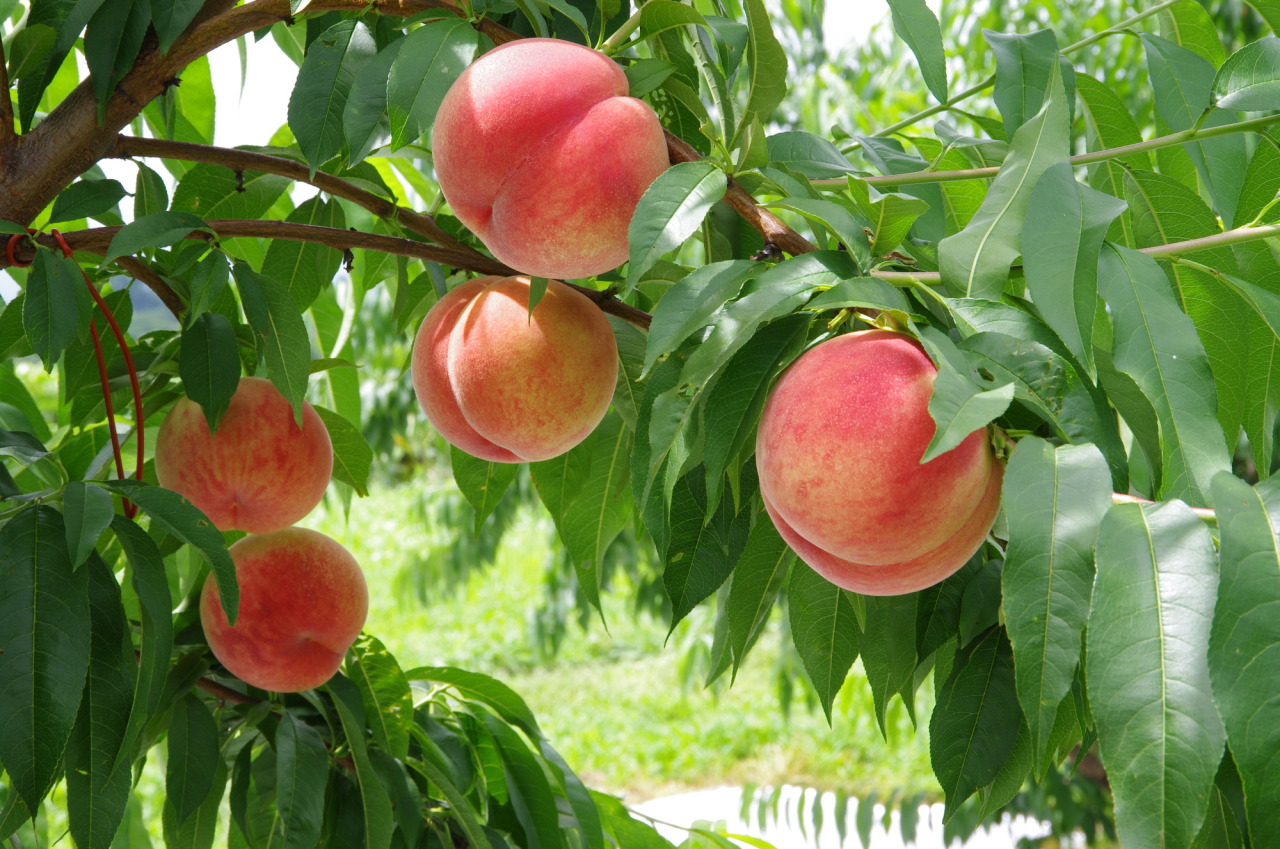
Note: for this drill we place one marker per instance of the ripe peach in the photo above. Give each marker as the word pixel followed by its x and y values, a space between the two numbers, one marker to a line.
pixel 259 472
pixel 541 153
pixel 303 601
pixel 509 387
pixel 838 451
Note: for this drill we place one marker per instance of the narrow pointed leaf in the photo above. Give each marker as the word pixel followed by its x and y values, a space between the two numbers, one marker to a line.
pixel 210 364
pixel 352 455
pixel 157 230
pixel 432 57
pixel 302 771
pixel 1024 62
pixel 378 816
pixel 758 578
pixel 279 333
pixel 193 753
pixel 87 511
pixel 959 405
pixel 915 23
pixel 767 67
pixel 304 268
pixel 384 689
pixel 1148 671
pixel 670 211
pixel 689 305
pixel 53 285
pixel 324 81
pixel 824 629
pixel 482 482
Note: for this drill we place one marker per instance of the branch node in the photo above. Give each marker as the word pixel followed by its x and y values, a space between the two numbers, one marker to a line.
pixel 239 172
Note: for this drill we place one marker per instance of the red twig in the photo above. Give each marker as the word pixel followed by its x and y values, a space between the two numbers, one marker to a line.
pixel 139 429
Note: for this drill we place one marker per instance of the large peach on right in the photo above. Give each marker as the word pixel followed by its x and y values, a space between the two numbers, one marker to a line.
pixel 508 385
pixel 838 451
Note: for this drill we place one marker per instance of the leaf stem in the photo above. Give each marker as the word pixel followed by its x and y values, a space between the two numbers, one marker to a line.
pixel 1206 514
pixel 622 33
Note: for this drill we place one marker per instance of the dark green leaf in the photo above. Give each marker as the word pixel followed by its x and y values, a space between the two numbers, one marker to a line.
pixel 112 42
pixel 670 211
pixel 364 118
pixel 22 446
pixel 302 771
pixel 767 79
pixel 279 332
pixel 150 195
pixel 180 517
pixel 199 829
pixel 915 23
pixel 384 690
pixel 44 648
pixel 758 578
pixel 813 156
pixel 1054 499
pixel 85 199
pixel 378 816
pixel 53 285
pixel 530 795
pixel 210 364
pixel 193 755
pixel 1157 346
pixel 1148 669
pixel 215 191
pixel 688 306
pixel 87 511
pixel 480 687
pixel 1243 642
pixel 1024 63
pixel 482 482
pixel 824 629
pixel 207 283
pixel 969 732
pixel 352 456
pixel 701 554
pixel 975 262
pixel 959 404
pixel 304 268
pixel 171 17
pixel 888 651
pixel 645 75
pixel 320 94
pixel 159 229
pixel 432 58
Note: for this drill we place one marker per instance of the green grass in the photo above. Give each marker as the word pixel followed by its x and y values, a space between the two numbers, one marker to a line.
pixel 627 711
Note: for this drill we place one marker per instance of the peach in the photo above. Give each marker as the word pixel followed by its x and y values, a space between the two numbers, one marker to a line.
pixel 259 472
pixel 540 152
pixel 838 451
pixel 506 386
pixel 303 601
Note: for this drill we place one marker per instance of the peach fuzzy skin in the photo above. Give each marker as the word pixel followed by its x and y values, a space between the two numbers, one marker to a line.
pixel 540 152
pixel 910 575
pixel 259 472
pixel 531 386
pixel 303 601
pixel 839 446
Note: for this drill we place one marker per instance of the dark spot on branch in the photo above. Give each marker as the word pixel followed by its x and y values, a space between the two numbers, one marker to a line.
pixel 239 180
pixel 768 252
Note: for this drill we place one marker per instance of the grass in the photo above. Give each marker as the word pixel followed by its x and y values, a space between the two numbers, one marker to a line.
pixel 620 706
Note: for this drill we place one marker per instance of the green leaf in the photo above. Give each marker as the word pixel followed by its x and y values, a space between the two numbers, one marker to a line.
pixel 530 795
pixel 888 651
pixel 758 578
pixel 1054 499
pixel 210 364
pixel 86 511
pixel 959 404
pixel 280 335
pixel 364 118
pixel 824 629
pixel 1148 670
pixel 44 648
pixel 1024 65
pixel 1243 643
pixel 670 211
pixel 646 75
pixel 1061 244
pixel 584 808
pixel 482 688
pixel 97 792
pixel 86 199
pixel 215 191
pixel 1108 124
pixel 160 229
pixel 767 79
pixel 384 690
pixel 52 284
pixel 970 735
pixel 482 482
pixel 891 215
pixel 150 194
pixel 22 446
pixel 304 268
pixel 915 23
pixel 700 555
pixel 1250 78
pixel 378 816
pixel 660 15
pixel 689 305
pixel 813 156
pixel 324 82
pixel 352 455
pixel 461 805
pixel 835 219
pixel 181 518
pixel 171 17
pixel 1183 86
pixel 112 43
pixel 975 262
pixel 199 829
pixel 632 342
pixel 193 753
pixel 302 771
pixel 433 56
pixel 207 283
pixel 1157 346
pixel 1190 25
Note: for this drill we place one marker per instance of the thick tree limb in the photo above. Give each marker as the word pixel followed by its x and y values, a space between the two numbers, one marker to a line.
pixel 244 160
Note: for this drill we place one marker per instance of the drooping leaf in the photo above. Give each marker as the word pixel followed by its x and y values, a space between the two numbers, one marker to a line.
pixel 959 404
pixel 969 732
pixel 758 578
pixel 171 17
pixel 85 199
pixel 150 194
pixel 193 753
pixel 689 305
pixel 670 211
pixel 44 648
pixel 432 57
pixel 304 268
pixel 1244 641
pixel 52 284
pixel 279 333
pixel 1148 672
pixel 915 23
pixel 112 43
pixel 160 229
pixel 975 262
pixel 302 771
pixel 482 482
pixel 320 94
pixel 384 689
pixel 824 629
pixel 210 364
pixel 199 829
pixel 700 555
pixel 379 818
pixel 476 685
pixel 87 511
pixel 529 792
pixel 364 118
pixel 1024 62
pixel 888 651
pixel 1156 345
pixel 1061 244
pixel 1054 499
pixel 352 455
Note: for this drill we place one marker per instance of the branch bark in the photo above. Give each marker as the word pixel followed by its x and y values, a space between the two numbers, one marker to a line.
pixel 6 108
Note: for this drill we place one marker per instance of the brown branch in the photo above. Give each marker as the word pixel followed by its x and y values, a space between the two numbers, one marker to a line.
pixel 423 225
pixel 6 107
pixel 139 270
